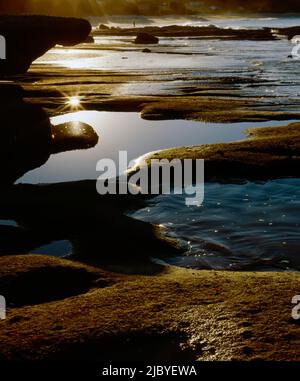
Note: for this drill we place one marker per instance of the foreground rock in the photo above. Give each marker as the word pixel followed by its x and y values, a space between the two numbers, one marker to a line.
pixel 29 37
pixel 146 38
pixel 174 315
pixel 37 279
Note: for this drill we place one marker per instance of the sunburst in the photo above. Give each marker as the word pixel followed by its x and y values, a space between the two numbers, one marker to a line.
pixel 74 102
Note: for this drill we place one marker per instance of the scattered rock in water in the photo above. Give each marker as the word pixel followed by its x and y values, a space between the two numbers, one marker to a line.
pixel 73 136
pixel 29 37
pixel 146 50
pixel 103 26
pixel 290 32
pixel 146 38
pixel 89 40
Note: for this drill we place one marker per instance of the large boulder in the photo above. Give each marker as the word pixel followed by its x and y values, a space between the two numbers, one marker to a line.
pixel 89 40
pixel 103 26
pixel 29 37
pixel 146 38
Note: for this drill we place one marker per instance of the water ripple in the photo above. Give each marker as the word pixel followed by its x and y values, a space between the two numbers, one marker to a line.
pixel 239 227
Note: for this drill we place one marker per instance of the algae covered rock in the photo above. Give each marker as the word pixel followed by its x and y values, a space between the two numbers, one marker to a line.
pixel 146 38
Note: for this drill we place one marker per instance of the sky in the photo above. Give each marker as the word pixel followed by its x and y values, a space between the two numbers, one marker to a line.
pixel 147 7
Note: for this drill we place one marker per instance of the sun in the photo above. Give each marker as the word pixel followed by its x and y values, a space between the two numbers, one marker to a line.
pixel 74 102
pixel 71 102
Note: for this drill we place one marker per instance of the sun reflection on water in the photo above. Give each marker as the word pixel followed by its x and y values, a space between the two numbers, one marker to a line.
pixel 77 129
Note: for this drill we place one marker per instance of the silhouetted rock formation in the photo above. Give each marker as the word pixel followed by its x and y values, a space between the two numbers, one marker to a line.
pixel 25 142
pixel 29 37
pixel 146 38
pixel 146 34
pixel 289 32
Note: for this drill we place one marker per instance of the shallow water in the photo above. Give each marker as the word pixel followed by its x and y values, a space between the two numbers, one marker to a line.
pixel 239 227
pixel 245 227
pixel 129 132
pixel 181 62
pixel 56 249
pixel 8 223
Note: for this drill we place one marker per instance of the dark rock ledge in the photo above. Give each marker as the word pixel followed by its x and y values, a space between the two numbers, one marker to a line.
pixel 29 37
